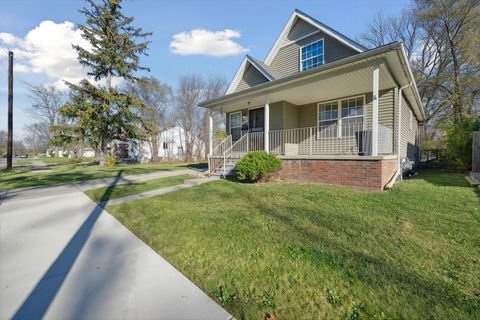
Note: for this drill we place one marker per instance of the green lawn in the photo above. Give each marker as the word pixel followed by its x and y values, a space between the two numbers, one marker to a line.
pixel 323 252
pixel 52 161
pixel 67 173
pixel 113 192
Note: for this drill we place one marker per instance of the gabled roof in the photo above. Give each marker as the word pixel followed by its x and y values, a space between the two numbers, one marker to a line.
pixel 248 60
pixel 297 14
pixel 264 67
pixel 394 57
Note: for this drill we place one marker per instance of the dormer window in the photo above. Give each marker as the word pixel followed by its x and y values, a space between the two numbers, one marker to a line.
pixel 311 55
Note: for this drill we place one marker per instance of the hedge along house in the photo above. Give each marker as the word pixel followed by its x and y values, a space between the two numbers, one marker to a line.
pixel 334 111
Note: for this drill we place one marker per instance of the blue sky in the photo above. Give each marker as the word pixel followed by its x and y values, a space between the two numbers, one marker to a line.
pixel 253 25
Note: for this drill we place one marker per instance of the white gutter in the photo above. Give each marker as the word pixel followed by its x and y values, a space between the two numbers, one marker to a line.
pixel 399 123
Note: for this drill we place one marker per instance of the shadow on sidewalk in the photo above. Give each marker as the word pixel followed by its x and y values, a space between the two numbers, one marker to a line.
pixel 40 298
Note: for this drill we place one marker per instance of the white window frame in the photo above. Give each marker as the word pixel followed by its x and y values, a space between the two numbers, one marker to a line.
pixel 410 120
pixel 339 114
pixel 230 121
pixel 300 52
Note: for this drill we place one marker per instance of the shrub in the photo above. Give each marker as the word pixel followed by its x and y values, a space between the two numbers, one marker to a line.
pixel 459 143
pixel 111 161
pixel 257 165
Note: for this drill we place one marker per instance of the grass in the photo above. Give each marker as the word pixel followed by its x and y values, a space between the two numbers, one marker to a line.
pixel 20 177
pixel 323 252
pixel 108 193
pixel 52 161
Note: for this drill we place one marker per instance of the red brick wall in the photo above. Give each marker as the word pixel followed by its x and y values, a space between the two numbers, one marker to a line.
pixel 363 174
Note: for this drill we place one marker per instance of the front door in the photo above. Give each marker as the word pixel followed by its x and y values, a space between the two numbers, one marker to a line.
pixel 256 119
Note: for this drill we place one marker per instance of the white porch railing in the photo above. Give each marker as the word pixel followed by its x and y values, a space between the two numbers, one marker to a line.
pixel 345 139
pixel 217 153
pixel 253 141
pixel 222 146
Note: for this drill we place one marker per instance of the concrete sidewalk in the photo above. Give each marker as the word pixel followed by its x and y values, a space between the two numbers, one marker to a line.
pixel 99 183
pixel 64 257
pixel 40 191
pixel 153 193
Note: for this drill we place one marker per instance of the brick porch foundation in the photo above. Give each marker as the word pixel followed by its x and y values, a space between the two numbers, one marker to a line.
pixel 371 174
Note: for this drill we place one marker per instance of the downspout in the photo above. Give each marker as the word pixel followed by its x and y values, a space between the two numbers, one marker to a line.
pixel 399 123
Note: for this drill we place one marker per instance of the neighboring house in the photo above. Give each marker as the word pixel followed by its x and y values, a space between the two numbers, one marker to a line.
pixel 171 146
pixel 334 111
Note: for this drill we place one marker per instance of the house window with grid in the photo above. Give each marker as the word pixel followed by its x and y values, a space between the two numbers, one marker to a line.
pixel 236 125
pixel 352 116
pixel 327 119
pixel 311 55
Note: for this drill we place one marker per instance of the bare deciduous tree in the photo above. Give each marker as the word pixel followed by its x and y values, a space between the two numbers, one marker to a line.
pixel 37 136
pixel 188 94
pixel 451 27
pixel 155 97
pixel 46 103
pixel 215 86
pixel 441 38
pixel 388 29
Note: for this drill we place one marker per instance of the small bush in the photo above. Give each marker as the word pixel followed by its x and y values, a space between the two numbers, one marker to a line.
pixel 459 143
pixel 257 165
pixel 111 161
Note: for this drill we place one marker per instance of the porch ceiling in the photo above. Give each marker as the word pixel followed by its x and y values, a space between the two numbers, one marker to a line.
pixel 352 80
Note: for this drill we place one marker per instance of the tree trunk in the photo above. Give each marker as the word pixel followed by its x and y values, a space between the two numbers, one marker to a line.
pixel 80 149
pixel 103 143
pixel 457 95
pixel 154 148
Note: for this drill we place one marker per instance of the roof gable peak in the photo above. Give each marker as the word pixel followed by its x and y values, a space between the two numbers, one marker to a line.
pixel 248 60
pixel 296 15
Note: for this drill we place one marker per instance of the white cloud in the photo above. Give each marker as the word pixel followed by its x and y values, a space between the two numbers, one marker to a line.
pixel 205 42
pixel 7 38
pixel 21 68
pixel 47 49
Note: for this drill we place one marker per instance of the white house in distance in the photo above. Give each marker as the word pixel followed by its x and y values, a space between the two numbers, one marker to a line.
pixel 171 146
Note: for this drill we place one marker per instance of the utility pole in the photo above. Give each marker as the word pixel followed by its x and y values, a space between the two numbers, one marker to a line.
pixel 10 111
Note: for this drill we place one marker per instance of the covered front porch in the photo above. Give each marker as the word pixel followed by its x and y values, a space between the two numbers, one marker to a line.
pixel 347 112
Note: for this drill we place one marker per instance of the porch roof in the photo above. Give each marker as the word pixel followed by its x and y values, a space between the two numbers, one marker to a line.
pixel 345 77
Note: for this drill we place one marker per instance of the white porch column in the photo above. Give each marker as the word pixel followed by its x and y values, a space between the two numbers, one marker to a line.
pixel 210 135
pixel 375 111
pixel 266 125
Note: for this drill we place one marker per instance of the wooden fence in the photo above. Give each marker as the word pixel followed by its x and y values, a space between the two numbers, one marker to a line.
pixel 476 152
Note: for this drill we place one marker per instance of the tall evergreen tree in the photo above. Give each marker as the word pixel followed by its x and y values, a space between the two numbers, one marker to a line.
pixel 107 113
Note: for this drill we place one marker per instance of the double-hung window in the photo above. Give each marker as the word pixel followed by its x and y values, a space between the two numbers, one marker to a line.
pixel 346 114
pixel 236 125
pixel 328 119
pixel 311 55
pixel 352 116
